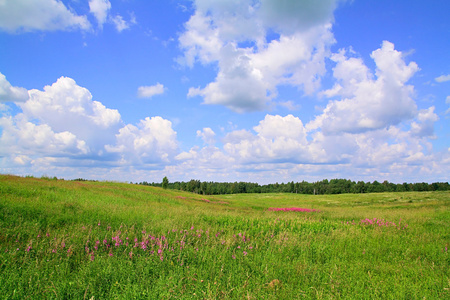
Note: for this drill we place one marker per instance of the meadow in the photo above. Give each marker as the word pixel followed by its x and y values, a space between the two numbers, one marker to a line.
pixel 106 240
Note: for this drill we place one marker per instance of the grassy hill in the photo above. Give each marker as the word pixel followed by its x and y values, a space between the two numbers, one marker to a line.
pixel 102 240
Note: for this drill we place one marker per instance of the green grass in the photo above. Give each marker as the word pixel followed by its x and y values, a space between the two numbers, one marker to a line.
pixel 101 240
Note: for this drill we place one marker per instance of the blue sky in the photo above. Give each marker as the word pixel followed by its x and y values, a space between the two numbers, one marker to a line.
pixel 255 90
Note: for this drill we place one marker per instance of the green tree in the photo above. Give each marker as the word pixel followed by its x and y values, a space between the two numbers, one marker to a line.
pixel 165 182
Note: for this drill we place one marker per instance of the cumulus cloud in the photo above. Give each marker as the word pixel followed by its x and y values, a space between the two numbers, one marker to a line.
pixel 61 121
pixel 150 91
pixel 277 139
pixel 368 103
pixel 153 141
pixel 28 138
pixel 9 93
pixel 235 36
pixel 66 106
pixel 39 15
pixel 280 147
pixel 62 126
pixel 443 78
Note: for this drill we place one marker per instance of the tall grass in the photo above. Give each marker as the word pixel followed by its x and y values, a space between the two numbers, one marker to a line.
pixel 102 240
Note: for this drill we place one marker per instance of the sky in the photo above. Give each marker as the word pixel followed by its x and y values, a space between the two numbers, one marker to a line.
pixel 254 90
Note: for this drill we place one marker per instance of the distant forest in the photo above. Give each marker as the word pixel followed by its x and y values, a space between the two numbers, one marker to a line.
pixel 333 186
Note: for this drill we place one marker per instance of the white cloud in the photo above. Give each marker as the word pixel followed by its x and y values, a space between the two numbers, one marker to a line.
pixel 120 23
pixel 39 15
pixel 425 125
pixel 235 36
pixel 368 103
pixel 277 139
pixel 150 91
pixel 21 136
pixel 66 106
pixel 443 78
pixel 60 121
pixel 207 135
pixel 100 9
pixel 280 147
pixel 9 93
pixel 153 141
pixel 61 128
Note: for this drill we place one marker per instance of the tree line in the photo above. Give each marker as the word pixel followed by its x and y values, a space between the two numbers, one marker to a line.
pixel 333 186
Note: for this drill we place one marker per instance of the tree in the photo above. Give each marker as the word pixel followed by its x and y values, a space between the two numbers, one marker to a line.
pixel 165 182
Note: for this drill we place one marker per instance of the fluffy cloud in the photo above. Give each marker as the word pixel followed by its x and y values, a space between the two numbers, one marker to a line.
pixel 236 36
pixel 424 127
pixel 368 103
pixel 207 135
pixel 9 93
pixel 62 126
pixel 153 141
pixel 66 106
pixel 150 91
pixel 100 9
pixel 42 15
pixel 28 138
pixel 277 139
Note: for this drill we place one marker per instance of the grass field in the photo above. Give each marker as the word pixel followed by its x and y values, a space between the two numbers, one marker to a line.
pixel 101 240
